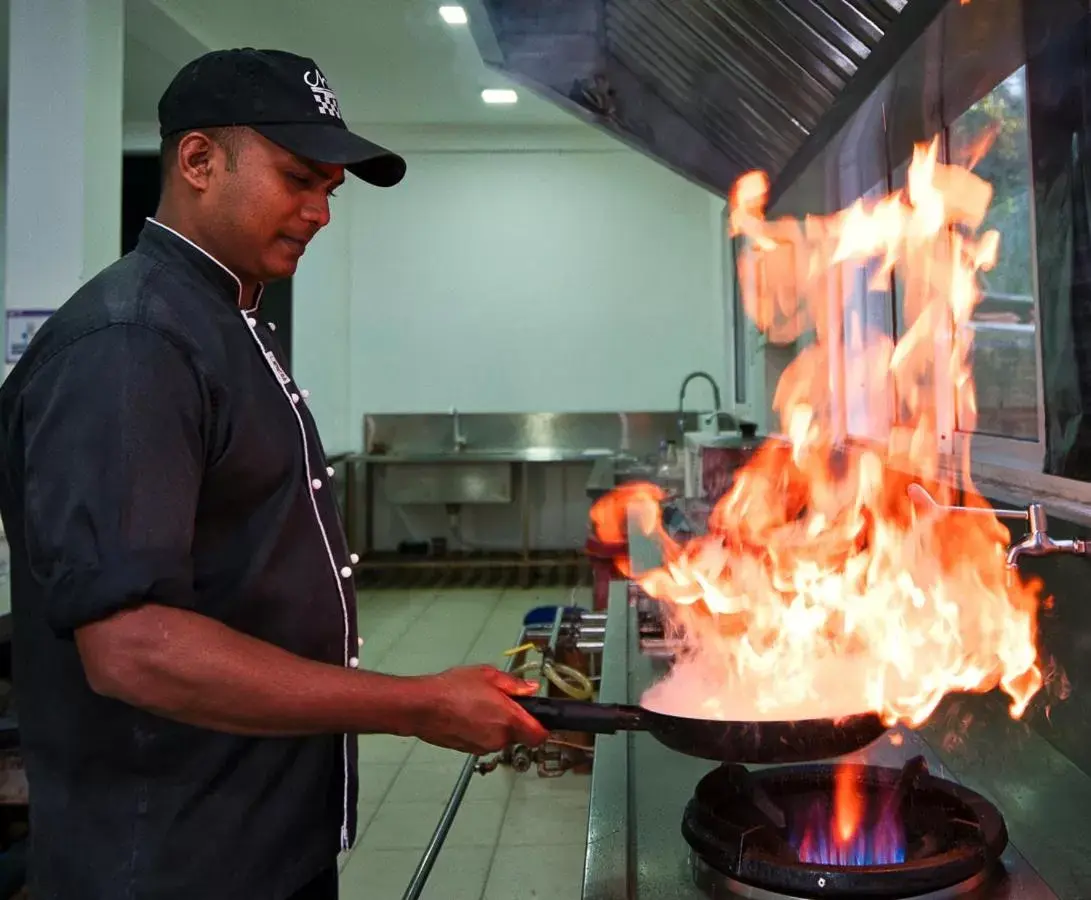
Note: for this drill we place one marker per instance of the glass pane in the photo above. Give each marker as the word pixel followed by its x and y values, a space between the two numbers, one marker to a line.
pixel 897 183
pixel 1004 356
pixel 742 363
pixel 868 314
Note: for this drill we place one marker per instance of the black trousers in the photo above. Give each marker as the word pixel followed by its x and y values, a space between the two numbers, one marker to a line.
pixel 324 887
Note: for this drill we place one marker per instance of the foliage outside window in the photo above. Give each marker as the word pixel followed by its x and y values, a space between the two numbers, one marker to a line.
pixel 1005 362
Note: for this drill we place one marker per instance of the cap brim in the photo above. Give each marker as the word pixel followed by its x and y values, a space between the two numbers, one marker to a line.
pixel 338 146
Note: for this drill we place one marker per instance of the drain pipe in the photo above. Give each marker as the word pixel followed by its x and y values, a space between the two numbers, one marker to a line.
pixel 428 860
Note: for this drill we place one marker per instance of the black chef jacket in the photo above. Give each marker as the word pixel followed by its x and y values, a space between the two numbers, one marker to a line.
pixel 156 451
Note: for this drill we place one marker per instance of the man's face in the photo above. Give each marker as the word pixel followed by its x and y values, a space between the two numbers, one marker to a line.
pixel 268 206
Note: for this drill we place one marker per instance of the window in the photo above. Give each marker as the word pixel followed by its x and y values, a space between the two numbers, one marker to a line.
pixel 739 327
pixel 868 312
pixel 1005 355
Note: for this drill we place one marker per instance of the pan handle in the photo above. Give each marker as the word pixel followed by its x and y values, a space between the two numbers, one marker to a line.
pixel 557 714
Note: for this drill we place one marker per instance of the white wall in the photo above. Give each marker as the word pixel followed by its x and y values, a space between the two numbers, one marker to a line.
pixel 491 280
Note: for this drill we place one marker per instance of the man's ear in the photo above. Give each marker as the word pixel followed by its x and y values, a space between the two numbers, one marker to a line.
pixel 196 152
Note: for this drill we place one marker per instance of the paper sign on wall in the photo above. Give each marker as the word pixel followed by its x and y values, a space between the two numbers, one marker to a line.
pixel 22 325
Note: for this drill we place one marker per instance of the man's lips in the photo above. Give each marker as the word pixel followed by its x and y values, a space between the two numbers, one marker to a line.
pixel 299 243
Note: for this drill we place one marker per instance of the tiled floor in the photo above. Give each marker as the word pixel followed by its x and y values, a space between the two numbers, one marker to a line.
pixel 516 836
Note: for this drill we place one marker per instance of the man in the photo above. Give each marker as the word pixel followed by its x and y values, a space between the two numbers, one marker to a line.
pixel 185 623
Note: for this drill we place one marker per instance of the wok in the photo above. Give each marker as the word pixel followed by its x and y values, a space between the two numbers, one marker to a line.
pixel 739 742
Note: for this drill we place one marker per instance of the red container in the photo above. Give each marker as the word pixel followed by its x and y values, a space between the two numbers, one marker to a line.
pixel 721 459
pixel 718 468
pixel 604 569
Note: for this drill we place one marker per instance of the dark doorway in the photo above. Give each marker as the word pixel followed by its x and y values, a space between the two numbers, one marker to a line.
pixel 140 180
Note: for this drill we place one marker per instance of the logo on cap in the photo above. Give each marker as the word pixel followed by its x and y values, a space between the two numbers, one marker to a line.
pixel 323 93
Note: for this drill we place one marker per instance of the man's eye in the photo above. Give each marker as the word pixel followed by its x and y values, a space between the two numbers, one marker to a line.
pixel 302 180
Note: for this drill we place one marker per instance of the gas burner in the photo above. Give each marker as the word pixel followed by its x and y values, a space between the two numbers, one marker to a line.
pixel 844 830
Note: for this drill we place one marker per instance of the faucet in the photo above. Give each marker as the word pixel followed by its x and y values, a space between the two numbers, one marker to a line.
pixel 460 438
pixel 1036 543
pixel 682 396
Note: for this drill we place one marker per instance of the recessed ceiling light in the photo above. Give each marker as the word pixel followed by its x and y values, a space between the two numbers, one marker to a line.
pixel 454 15
pixel 499 95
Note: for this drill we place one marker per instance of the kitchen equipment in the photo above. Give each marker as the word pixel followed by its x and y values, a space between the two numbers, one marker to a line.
pixel 707 422
pixel 742 742
pixel 641 793
pixel 709 461
pixel 777 831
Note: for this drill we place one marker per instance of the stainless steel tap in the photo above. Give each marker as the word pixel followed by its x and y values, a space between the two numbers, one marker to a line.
pixel 1036 543
pixel 459 438
pixel 682 396
pixel 1039 543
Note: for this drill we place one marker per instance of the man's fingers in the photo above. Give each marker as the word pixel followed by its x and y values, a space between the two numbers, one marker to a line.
pixel 509 684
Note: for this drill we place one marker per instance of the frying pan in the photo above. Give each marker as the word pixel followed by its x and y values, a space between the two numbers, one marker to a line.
pixel 740 742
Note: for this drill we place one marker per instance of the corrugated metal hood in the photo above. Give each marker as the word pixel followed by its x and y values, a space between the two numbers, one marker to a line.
pixel 711 88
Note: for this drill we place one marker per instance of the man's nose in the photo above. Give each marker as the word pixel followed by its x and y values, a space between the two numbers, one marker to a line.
pixel 317 212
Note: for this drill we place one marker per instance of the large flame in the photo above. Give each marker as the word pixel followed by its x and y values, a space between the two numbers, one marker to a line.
pixel 820 589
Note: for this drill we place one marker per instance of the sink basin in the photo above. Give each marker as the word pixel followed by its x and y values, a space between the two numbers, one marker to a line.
pixel 490 454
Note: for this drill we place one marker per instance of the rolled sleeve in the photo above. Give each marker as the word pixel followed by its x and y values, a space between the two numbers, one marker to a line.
pixel 114 456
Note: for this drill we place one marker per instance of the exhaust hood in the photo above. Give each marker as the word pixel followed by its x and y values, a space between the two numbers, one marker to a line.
pixel 710 88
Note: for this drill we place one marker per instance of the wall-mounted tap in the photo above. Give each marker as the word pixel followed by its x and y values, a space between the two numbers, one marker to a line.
pixel 1036 543
pixel 459 438
pixel 682 397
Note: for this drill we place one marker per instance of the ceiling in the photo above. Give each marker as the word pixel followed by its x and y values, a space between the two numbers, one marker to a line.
pixel 392 62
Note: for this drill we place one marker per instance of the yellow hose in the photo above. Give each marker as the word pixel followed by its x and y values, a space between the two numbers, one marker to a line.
pixel 566 679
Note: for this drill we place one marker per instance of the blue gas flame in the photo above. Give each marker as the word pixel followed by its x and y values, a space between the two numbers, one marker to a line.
pixel 879 841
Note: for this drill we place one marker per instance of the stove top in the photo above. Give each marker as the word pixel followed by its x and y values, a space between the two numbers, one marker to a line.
pixel 716 886
pixel 640 791
pixel 848 830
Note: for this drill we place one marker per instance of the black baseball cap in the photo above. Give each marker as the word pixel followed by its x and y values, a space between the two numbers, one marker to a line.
pixel 284 98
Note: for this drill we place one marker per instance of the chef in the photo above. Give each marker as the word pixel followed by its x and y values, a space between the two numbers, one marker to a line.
pixel 184 616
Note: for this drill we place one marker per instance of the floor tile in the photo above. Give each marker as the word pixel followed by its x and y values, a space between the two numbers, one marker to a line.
pixel 547 872
pixel 458 874
pixel 384 748
pixel 560 819
pixel 434 782
pixel 531 786
pixel 411 825
pixel 424 752
pixel 386 619
pixel 490 645
pixel 376 780
pixel 398 662
pixel 538 824
pixel 365 812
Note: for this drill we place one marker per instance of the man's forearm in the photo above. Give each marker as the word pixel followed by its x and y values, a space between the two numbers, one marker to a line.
pixel 196 670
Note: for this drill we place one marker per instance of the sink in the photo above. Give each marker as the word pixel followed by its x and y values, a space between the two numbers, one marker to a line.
pixel 627 472
pixel 490 455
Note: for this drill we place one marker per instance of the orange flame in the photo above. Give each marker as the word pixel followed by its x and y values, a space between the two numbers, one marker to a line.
pixel 820 590
pixel 848 804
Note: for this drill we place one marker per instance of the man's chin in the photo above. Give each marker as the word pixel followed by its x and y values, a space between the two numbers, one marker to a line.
pixel 279 269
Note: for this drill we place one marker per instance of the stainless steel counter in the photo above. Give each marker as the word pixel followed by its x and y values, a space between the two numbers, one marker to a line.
pixel 489 455
pixel 639 790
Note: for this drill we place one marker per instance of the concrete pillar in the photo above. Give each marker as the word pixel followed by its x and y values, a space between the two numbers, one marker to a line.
pixel 64 146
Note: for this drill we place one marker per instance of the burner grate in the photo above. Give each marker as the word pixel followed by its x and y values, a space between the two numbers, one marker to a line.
pixel 748 827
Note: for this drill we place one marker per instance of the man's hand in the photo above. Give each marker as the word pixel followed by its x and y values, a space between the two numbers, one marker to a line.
pixel 473 711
